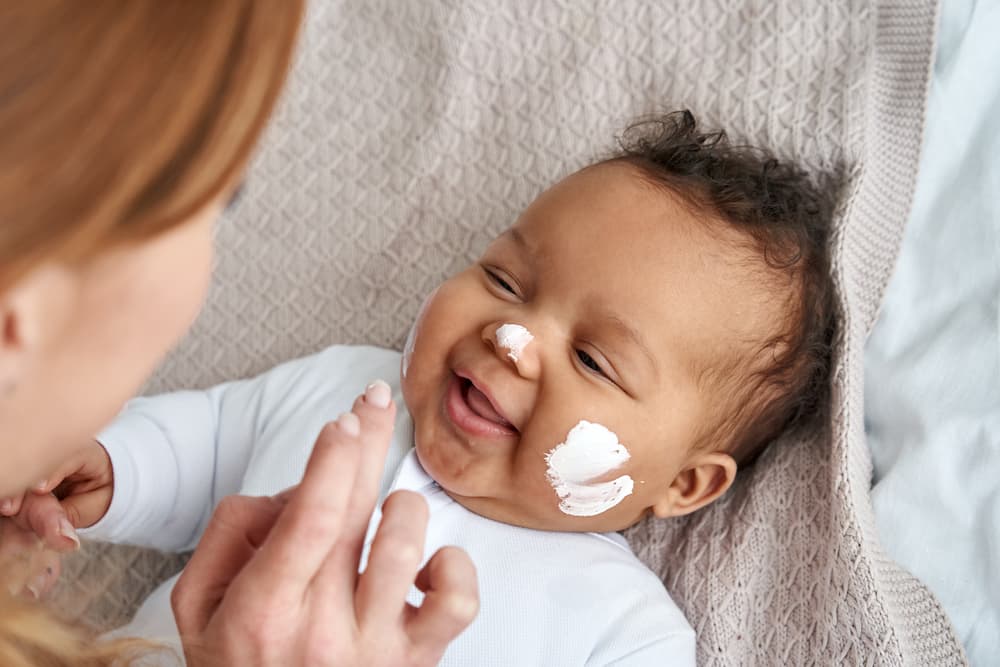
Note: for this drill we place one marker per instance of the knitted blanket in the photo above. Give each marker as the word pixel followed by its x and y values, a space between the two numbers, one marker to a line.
pixel 412 131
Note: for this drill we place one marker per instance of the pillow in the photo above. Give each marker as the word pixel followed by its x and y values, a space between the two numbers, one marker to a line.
pixel 411 132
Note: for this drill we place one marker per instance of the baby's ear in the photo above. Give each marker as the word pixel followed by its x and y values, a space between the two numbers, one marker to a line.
pixel 703 479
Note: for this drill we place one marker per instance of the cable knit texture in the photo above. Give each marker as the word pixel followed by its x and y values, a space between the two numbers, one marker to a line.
pixel 413 131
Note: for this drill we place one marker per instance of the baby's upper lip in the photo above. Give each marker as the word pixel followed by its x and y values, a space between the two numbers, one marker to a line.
pixel 485 390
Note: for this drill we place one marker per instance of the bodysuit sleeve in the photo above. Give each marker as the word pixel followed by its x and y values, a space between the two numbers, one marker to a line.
pixel 176 455
pixel 675 650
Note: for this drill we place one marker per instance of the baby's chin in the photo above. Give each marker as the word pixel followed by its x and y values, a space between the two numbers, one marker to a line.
pixel 449 480
pixel 476 498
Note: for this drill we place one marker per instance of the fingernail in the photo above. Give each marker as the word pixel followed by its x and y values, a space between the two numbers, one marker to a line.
pixel 34 591
pixel 6 506
pixel 378 394
pixel 41 485
pixel 38 584
pixel 66 530
pixel 349 423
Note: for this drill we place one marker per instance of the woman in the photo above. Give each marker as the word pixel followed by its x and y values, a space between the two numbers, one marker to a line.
pixel 124 128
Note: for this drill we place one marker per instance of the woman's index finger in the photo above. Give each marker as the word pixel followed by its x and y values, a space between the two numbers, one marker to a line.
pixel 315 517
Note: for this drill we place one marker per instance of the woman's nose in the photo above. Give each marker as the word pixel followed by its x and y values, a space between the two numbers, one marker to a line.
pixel 515 344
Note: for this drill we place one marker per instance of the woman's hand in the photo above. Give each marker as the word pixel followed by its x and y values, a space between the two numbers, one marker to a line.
pixel 77 495
pixel 40 524
pixel 275 581
pixel 27 567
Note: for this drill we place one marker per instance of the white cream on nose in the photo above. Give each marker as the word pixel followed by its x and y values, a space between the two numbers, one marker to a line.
pixel 590 451
pixel 513 338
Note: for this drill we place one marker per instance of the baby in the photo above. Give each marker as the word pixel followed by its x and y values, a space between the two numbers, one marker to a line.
pixel 647 326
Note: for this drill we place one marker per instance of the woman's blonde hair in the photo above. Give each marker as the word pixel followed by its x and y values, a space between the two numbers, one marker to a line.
pixel 118 120
pixel 122 118
pixel 30 637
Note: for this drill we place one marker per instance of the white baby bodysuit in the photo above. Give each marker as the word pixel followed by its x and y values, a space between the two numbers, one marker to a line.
pixel 547 598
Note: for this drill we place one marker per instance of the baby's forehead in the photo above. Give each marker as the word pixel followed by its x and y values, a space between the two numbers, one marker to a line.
pixel 687 281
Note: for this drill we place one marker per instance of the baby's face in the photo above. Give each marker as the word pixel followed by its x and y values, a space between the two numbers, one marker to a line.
pixel 585 325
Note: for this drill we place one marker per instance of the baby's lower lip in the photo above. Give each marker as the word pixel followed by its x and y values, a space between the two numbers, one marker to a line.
pixel 466 419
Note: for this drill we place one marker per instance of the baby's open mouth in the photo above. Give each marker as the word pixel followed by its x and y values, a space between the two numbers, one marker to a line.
pixel 472 411
pixel 480 404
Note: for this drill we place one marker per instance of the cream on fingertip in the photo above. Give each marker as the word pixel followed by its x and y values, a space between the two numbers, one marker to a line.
pixel 378 394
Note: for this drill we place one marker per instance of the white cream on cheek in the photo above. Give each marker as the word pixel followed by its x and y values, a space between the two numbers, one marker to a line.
pixel 590 451
pixel 411 337
pixel 513 338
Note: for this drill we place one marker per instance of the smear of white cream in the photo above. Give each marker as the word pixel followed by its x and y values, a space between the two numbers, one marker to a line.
pixel 513 338
pixel 411 337
pixel 590 451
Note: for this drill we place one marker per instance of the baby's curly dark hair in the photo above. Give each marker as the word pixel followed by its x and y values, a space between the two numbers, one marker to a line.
pixel 785 219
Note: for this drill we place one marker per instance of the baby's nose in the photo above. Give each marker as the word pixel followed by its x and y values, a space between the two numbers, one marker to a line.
pixel 513 338
pixel 513 343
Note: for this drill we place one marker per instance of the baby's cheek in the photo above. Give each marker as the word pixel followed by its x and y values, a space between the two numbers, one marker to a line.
pixel 585 471
pixel 411 338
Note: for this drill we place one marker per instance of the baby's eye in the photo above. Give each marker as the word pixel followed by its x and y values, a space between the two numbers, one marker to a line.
pixel 500 282
pixel 589 362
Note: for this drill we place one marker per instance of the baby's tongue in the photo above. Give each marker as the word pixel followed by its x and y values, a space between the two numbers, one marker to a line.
pixel 481 406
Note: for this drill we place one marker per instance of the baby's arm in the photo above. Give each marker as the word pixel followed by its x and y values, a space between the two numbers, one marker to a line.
pixel 176 455
pixel 676 651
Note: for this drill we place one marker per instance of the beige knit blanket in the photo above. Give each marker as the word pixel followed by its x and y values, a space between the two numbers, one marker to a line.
pixel 414 130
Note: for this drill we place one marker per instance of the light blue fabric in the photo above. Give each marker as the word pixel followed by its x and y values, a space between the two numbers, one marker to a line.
pixel 933 361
